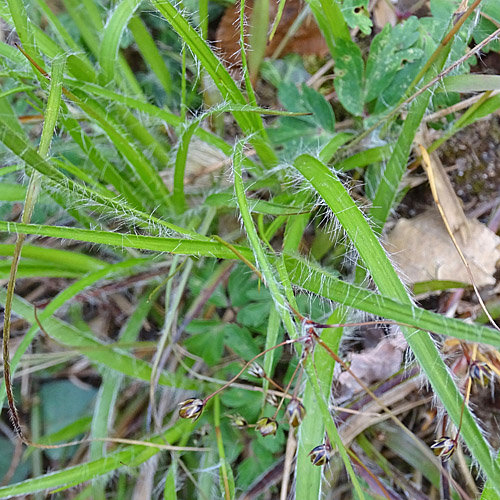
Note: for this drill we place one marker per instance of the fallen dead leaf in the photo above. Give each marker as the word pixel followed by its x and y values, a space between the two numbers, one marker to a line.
pixel 422 250
pixel 384 14
pixel 373 365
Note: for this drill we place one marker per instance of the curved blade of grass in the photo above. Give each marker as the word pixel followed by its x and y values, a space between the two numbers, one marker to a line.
pixel 250 124
pixel 331 22
pixel 85 14
pixel 110 43
pixel 129 456
pixel 359 232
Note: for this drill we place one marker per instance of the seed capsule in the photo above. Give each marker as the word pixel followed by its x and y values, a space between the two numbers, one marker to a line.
pixel 266 426
pixel 320 455
pixel 480 372
pixel 296 412
pixel 191 408
pixel 444 447
pixel 256 371
pixel 238 421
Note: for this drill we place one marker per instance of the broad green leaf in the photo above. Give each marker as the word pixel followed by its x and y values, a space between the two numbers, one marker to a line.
pixel 349 76
pixel 389 51
pixel 209 345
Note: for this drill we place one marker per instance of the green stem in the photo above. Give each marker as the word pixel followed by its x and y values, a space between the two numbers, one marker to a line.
pixel 49 124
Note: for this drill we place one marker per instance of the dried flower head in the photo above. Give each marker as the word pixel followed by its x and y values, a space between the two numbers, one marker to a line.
pixel 266 426
pixel 256 371
pixel 238 421
pixel 191 408
pixel 296 412
pixel 321 454
pixel 480 372
pixel 444 447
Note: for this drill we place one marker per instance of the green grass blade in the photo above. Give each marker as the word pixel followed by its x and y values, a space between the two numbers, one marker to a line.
pixel 308 276
pixel 201 247
pixel 179 199
pixel 65 258
pixel 113 31
pixel 359 232
pixel 331 22
pixel 150 53
pixel 129 456
pixel 312 429
pixel 387 190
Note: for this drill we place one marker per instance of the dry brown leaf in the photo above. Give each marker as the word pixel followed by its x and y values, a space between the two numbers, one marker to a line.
pixel 306 41
pixel 373 365
pixel 422 249
pixel 450 202
pixel 384 14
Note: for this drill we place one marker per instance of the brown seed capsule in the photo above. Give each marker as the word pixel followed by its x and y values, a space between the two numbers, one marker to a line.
pixel 296 412
pixel 444 447
pixel 320 455
pixel 266 426
pixel 191 408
